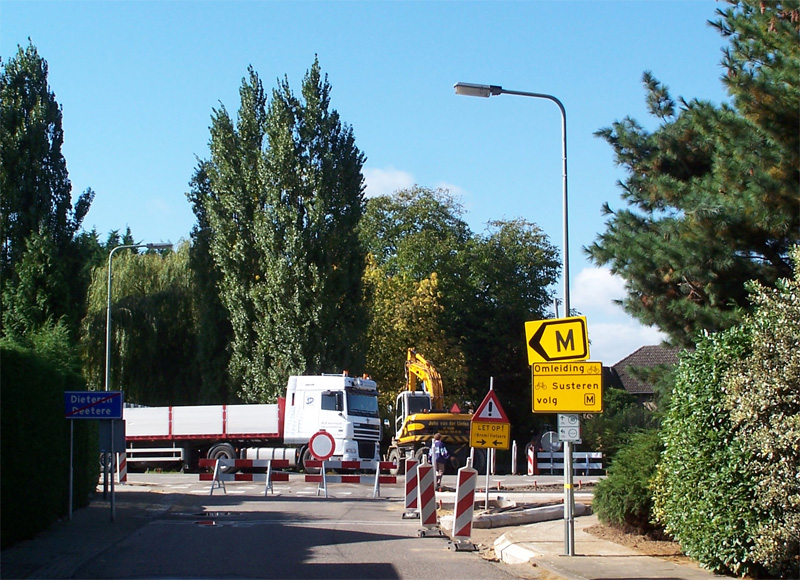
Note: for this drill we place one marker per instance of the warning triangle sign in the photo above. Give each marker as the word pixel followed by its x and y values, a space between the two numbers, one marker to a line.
pixel 490 410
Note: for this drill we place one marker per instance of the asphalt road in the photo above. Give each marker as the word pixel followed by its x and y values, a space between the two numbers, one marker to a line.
pixel 168 526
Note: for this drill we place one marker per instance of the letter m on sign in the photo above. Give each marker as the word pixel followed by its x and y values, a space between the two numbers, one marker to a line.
pixel 567 343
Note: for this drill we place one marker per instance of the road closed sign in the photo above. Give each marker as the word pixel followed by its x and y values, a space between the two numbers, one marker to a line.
pixel 574 387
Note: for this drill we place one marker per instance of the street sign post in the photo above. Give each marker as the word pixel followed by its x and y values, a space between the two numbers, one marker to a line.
pixel 490 429
pixel 574 387
pixel 486 435
pixel 103 405
pixel 93 404
pixel 559 339
pixel 569 427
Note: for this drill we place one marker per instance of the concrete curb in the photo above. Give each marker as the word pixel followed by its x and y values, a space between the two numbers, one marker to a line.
pixel 518 518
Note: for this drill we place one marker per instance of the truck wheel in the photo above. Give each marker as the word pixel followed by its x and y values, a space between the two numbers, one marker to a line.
pixel 395 457
pixel 306 457
pixel 223 451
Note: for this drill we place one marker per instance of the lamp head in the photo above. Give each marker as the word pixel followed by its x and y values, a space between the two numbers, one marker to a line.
pixel 159 246
pixel 473 90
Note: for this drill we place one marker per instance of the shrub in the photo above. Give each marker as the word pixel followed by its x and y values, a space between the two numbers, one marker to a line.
pixel 34 446
pixel 727 486
pixel 624 499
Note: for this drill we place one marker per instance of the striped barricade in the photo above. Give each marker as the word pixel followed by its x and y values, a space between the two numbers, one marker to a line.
pixel 323 479
pixel 122 468
pixel 412 483
pixel 464 510
pixel 218 478
pixel 427 501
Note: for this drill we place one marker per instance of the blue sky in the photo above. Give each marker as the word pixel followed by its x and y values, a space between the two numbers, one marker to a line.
pixel 137 82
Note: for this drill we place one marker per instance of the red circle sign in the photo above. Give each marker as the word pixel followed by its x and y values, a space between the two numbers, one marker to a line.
pixel 322 445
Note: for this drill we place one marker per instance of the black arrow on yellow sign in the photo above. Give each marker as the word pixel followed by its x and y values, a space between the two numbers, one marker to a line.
pixel 561 339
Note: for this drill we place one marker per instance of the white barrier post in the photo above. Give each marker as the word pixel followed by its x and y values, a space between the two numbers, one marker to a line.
pixel 217 482
pixel 513 457
pixel 412 483
pixel 323 483
pixel 464 509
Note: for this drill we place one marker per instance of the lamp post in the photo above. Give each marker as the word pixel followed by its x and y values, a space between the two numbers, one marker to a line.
pixel 156 246
pixel 486 91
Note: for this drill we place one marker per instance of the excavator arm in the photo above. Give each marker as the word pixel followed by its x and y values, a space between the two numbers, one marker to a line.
pixel 419 370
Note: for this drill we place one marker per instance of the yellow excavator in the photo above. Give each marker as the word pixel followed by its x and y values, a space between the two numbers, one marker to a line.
pixel 420 414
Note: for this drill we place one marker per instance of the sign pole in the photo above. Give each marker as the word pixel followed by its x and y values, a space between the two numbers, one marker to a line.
pixel 71 457
pixel 113 459
pixel 488 455
pixel 569 518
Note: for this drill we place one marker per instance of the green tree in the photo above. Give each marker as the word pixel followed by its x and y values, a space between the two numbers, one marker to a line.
pixel 214 332
pixel 153 328
pixel 283 196
pixel 712 192
pixel 479 289
pixel 42 263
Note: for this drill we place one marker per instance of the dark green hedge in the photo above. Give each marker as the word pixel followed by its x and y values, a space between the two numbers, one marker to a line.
pixel 34 445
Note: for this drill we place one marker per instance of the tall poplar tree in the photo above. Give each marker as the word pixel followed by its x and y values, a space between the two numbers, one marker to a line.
pixel 283 194
pixel 713 192
pixel 43 274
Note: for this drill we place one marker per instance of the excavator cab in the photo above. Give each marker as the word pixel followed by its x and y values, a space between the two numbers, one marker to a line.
pixel 410 403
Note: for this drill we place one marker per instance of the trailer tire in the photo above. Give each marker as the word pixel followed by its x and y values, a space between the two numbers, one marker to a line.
pixel 305 456
pixel 223 451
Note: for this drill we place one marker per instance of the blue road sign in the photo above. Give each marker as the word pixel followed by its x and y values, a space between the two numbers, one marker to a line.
pixel 93 404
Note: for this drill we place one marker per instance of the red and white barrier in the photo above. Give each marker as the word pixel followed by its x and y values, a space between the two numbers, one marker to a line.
pixel 427 500
pixel 464 509
pixel 323 478
pixel 412 485
pixel 218 478
pixel 122 468
pixel 530 451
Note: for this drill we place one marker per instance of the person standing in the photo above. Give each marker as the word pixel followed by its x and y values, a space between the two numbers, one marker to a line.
pixel 439 456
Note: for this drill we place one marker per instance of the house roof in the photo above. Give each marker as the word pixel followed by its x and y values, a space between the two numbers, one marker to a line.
pixel 648 357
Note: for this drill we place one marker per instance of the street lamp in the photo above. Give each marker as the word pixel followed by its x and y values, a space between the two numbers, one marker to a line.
pixel 155 246
pixel 486 91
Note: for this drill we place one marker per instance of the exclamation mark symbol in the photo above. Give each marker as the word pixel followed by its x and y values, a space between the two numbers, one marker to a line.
pixel 491 411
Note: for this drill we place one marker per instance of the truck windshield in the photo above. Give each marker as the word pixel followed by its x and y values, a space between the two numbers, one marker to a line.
pixel 363 404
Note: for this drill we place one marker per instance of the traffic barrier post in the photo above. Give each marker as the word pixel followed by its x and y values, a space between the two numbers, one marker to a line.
pixel 412 483
pixel 464 510
pixel 323 479
pixel 122 468
pixel 427 500
pixel 218 478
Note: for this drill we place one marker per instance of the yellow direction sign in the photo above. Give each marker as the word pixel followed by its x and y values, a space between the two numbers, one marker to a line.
pixel 559 339
pixel 489 434
pixel 571 387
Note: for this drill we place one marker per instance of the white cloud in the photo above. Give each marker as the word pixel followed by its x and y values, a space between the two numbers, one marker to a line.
pixel 613 333
pixel 596 289
pixel 611 342
pixel 386 181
